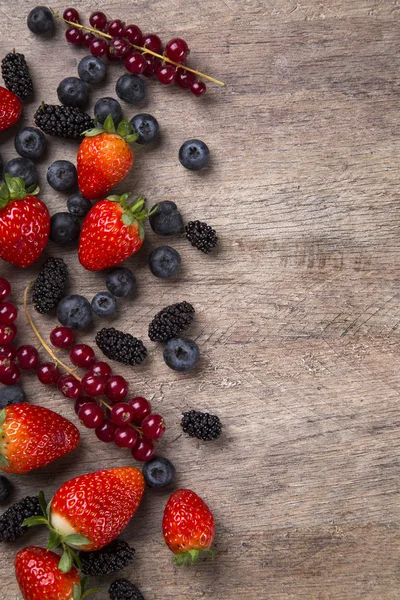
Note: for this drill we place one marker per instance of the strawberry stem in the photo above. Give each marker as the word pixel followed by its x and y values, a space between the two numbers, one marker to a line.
pixel 191 557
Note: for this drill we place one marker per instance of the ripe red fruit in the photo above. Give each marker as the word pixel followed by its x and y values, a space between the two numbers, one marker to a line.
pixel 133 34
pixel 116 388
pixel 7 333
pixel 166 74
pixel 125 437
pixel 153 427
pixel 152 42
pixel 177 50
pixel 141 408
pixel 9 374
pixel 98 20
pixel 8 313
pixel 94 385
pixel 184 79
pixel 62 337
pixel 82 355
pixel 144 450
pixel 48 373
pixel 27 357
pixel 188 527
pixel 122 413
pixel 135 63
pixel 91 415
pixel 198 88
pixel 5 288
pixel 10 108
pixel 152 65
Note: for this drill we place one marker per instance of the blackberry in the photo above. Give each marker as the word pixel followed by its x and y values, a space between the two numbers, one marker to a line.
pixel 201 425
pixel 120 346
pixel 11 521
pixel 63 121
pixel 48 288
pixel 16 75
pixel 170 321
pixel 108 560
pixel 122 589
pixel 201 236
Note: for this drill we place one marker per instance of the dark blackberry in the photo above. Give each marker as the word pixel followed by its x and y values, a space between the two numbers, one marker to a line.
pixel 120 346
pixel 171 321
pixel 64 121
pixel 16 75
pixel 201 236
pixel 201 425
pixel 11 521
pixel 122 589
pixel 48 288
pixel 108 560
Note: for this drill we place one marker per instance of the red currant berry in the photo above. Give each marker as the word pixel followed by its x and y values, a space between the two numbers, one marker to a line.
pixel 198 88
pixel 153 427
pixel 105 432
pixel 144 450
pixel 48 373
pixel 135 63
pixel 5 288
pixel 7 352
pixel 126 437
pixel 8 313
pixel 152 65
pixel 98 47
pixel 62 337
pixel 115 28
pixel 98 20
pixel 88 39
pixel 101 369
pixel 27 358
pixel 94 385
pixel 166 75
pixel 74 36
pixel 118 48
pixel 112 57
pixel 117 388
pixel 177 50
pixel 133 34
pixel 183 79
pixel 7 333
pixel 71 14
pixel 69 386
pixel 122 413
pixel 9 374
pixel 152 42
pixel 82 356
pixel 91 415
pixel 79 402
pixel 141 408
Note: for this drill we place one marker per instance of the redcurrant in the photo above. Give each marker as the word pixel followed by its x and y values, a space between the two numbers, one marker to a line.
pixel 183 79
pixel 88 39
pixel 79 402
pixel 119 47
pixel 126 437
pixel 5 288
pixel 94 385
pixel 152 65
pixel 198 88
pixel 115 28
pixel 8 313
pixel 153 427
pixel 82 356
pixel 69 386
pixel 7 352
pixel 133 34
pixel 144 450
pixel 122 413
pixel 166 74
pixel 91 415
pixel 177 50
pixel 48 373
pixel 9 374
pixel 27 357
pixel 98 47
pixel 62 337
pixel 141 408
pixel 117 388
pixel 74 36
pixel 98 20
pixel 101 368
pixel 7 333
pixel 135 63
pixel 152 42
pixel 71 14
pixel 105 432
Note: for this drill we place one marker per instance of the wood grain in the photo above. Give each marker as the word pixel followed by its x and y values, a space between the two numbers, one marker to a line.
pixel 297 314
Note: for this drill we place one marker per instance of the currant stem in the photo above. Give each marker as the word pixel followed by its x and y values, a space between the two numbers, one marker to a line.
pixel 54 357
pixel 141 49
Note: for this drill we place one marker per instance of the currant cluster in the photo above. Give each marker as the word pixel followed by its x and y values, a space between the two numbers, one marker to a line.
pixel 136 61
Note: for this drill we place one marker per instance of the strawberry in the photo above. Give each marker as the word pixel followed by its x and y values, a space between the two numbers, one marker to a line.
pixel 39 577
pixel 104 158
pixel 188 527
pixel 10 108
pixel 24 223
pixel 32 437
pixel 111 232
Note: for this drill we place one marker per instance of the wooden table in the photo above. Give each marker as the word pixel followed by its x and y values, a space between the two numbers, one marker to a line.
pixel 297 314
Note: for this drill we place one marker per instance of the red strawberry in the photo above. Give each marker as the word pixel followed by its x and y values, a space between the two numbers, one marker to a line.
pixel 111 232
pixel 97 506
pixel 32 437
pixel 104 158
pixel 10 108
pixel 24 224
pixel 188 527
pixel 39 577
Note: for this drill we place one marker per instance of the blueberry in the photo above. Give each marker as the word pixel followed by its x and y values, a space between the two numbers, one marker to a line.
pixel 72 91
pixel 194 155
pixel 11 394
pixel 108 106
pixel 24 168
pixel 181 354
pixel 74 311
pixel 40 21
pixel 147 127
pixel 104 304
pixel 166 220
pixel 5 489
pixel 62 176
pixel 91 69
pixel 78 205
pixel 164 262
pixel 30 142
pixel 121 282
pixel 158 472
pixel 130 88
pixel 64 229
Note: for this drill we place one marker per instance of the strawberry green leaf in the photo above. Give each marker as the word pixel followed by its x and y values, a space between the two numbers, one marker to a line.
pixel 128 219
pixel 3 415
pixel 93 132
pixel 141 230
pixel 16 187
pixel 31 521
pixel 75 559
pixel 124 128
pixel 4 195
pixel 89 592
pixel 65 564
pixel 43 504
pixel 3 461
pixel 113 198
pixel 131 138
pixel 76 539
pixel 33 190
pixel 55 540
pixel 109 126
pixel 76 592
pixel 48 510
